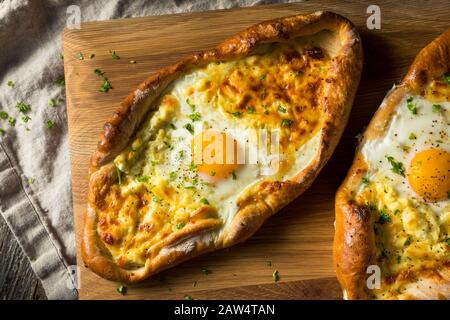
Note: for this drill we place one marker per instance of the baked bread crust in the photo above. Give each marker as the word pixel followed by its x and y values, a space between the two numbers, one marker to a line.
pixel 354 244
pixel 269 197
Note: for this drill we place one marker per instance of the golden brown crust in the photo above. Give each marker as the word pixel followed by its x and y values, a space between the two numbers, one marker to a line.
pixel 270 197
pixel 354 246
pixel 354 239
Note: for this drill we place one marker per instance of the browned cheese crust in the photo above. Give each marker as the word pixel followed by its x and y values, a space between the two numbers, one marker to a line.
pixel 270 197
pixel 354 248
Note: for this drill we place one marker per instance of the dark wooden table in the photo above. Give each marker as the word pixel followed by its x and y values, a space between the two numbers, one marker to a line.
pixel 17 279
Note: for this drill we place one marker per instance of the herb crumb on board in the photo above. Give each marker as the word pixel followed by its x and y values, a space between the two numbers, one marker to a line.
pixel 276 276
pixel 114 55
pixel 122 290
pixel 50 124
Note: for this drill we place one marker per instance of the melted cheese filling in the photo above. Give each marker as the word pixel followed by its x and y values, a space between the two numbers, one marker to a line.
pixel 161 190
pixel 412 233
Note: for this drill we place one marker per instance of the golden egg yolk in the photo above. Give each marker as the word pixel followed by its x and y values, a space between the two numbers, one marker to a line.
pixel 429 174
pixel 215 154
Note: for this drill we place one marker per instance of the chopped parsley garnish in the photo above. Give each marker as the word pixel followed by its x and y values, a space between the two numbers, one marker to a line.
pixel 407 241
pixel 286 122
pixel 437 108
pixel 30 180
pixel 396 166
pixel 384 217
pixel 236 114
pixel 192 166
pixel 262 77
pixel 25 118
pixel 446 77
pixel 195 116
pixel 98 72
pixel 250 109
pixel 405 148
pixel 61 56
pixel 411 106
pixel 80 56
pixel 10 83
pixel 91 56
pixel 168 145
pixel 51 102
pixel 439 141
pixel 4 115
pixel 276 275
pixel 412 136
pixel 122 290
pixel 281 109
pixel 50 124
pixel 105 86
pixel 119 175
pixel 189 128
pixel 12 121
pixel 155 199
pixel 23 107
pixel 180 225
pixel 398 259
pixel 60 81
pixel 142 178
pixel 172 126
pixel 365 180
pixel 190 104
pixel 114 55
pixel 206 271
pixel 233 174
pixel 173 175
pixel 188 297
pixel 447 241
pixel 204 201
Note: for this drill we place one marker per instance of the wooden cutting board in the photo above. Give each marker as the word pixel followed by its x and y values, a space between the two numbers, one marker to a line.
pixel 298 240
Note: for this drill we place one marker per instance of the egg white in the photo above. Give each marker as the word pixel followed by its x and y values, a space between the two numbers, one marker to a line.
pixel 431 130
